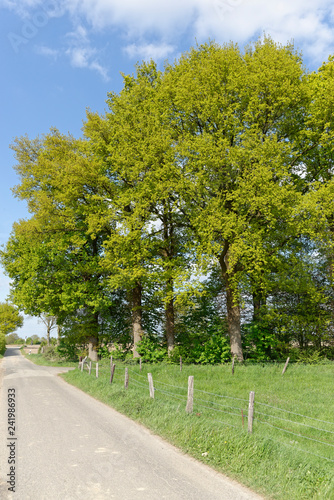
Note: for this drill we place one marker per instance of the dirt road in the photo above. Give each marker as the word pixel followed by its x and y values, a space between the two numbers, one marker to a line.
pixel 66 445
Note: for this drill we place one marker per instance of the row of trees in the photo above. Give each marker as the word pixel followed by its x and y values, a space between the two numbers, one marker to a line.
pixel 198 208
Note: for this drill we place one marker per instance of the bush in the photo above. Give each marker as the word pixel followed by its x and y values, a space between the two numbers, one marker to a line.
pixel 50 352
pixel 259 343
pixel 150 349
pixel 103 352
pixel 2 344
pixel 67 351
pixel 215 350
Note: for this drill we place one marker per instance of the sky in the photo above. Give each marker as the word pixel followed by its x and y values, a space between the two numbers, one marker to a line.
pixel 59 58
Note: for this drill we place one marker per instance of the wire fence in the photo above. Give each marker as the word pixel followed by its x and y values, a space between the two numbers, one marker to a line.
pixel 289 423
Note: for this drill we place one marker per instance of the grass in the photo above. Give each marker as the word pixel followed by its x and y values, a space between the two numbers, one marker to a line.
pixel 39 359
pixel 275 463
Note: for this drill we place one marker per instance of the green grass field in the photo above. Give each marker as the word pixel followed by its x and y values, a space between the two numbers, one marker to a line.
pixel 295 462
pixel 290 453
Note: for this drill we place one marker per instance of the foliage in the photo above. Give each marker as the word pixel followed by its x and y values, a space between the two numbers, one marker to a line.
pixel 34 339
pixel 50 352
pixel 309 356
pixel 151 350
pixel 260 343
pixel 67 350
pixel 2 344
pixel 13 338
pixel 203 187
pixel 10 318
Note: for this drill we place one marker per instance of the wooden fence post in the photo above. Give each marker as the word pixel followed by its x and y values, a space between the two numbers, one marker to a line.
pixel 82 363
pixel 251 411
pixel 190 400
pixel 90 367
pixel 126 380
pixel 97 370
pixel 110 362
pixel 151 386
pixel 112 371
pixel 285 366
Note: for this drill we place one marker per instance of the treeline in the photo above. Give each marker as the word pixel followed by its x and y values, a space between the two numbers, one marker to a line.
pixel 194 217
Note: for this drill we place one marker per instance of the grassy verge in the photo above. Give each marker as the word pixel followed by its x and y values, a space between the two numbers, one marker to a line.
pixel 39 359
pixel 291 450
pixel 271 461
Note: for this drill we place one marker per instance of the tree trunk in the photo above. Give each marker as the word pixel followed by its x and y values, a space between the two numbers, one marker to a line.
pixel 92 348
pixel 136 318
pixel 168 253
pixel 170 321
pixel 59 334
pixel 233 307
pixel 256 306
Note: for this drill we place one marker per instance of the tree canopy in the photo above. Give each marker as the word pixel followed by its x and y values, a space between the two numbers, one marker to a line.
pixel 208 181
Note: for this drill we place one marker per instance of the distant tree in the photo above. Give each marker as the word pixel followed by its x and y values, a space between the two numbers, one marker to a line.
pixel 50 322
pixel 10 318
pixel 12 338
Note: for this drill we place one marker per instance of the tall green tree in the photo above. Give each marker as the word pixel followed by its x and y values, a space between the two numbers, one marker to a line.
pixel 137 158
pixel 53 258
pixel 239 117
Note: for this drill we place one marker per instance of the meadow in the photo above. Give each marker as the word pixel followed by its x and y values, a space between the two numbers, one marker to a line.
pixel 290 452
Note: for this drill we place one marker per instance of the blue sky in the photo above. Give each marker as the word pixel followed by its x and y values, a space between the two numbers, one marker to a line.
pixel 60 57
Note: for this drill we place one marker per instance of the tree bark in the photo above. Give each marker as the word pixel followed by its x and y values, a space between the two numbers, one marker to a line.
pixel 256 306
pixel 137 329
pixel 233 307
pixel 92 348
pixel 170 322
pixel 168 253
pixel 58 334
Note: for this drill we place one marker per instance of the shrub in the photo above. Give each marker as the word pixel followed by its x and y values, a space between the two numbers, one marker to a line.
pixel 214 350
pixel 103 352
pixel 150 349
pixel 259 343
pixel 2 344
pixel 67 351
pixel 50 352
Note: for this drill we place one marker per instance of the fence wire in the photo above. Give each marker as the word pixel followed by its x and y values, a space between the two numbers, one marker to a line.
pixel 198 402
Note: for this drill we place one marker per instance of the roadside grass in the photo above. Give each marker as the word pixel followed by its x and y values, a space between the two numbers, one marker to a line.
pixel 296 462
pixel 39 359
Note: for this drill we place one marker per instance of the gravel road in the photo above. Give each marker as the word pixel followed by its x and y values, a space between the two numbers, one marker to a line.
pixel 68 446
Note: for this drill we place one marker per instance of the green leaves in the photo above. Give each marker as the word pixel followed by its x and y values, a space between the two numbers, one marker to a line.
pixel 10 318
pixel 224 158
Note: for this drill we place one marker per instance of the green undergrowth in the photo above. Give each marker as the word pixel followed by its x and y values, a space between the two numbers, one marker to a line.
pixel 296 463
pixel 39 359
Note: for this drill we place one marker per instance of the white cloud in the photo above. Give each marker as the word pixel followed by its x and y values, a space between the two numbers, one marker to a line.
pixel 308 22
pixel 305 21
pixel 147 51
pixel 43 50
pixel 82 54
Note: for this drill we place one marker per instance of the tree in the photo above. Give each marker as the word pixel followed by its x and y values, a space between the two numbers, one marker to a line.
pixel 146 247
pixel 53 258
pixel 50 322
pixel 10 318
pixel 239 118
